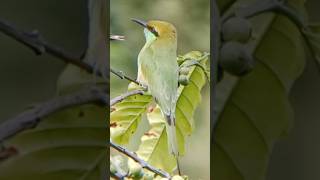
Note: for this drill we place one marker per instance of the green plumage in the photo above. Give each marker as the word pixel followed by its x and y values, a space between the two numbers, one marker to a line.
pixel 158 69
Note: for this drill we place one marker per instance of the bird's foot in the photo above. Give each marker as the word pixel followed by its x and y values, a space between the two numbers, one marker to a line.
pixel 143 85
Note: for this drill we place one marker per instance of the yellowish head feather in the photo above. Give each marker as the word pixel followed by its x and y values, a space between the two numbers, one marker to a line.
pixel 165 30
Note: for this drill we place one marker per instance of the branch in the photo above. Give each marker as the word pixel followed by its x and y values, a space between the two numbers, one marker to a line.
pixel 116 37
pixel 125 95
pixel 277 6
pixel 32 117
pixel 140 161
pixel 35 42
pixel 252 9
pixel 117 176
pixel 121 75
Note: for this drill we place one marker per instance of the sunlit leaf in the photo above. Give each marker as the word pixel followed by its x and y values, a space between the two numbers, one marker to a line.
pixel 126 115
pixel 69 144
pixel 154 143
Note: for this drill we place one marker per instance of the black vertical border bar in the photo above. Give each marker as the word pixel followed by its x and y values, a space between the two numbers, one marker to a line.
pixel 214 51
pixel 212 87
pixel 108 93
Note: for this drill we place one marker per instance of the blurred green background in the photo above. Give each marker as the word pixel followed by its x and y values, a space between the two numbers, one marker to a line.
pixel 26 78
pixel 297 156
pixel 192 20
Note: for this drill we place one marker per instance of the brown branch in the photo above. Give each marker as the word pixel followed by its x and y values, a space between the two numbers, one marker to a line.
pixel 35 42
pixel 125 95
pixel 121 75
pixel 118 173
pixel 117 176
pixel 32 117
pixel 139 160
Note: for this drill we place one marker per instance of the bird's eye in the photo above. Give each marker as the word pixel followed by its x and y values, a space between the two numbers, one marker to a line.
pixel 153 30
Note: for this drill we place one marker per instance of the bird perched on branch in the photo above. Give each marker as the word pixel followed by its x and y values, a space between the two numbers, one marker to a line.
pixel 158 69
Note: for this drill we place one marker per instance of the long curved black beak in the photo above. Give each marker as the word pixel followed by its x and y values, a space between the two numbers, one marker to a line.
pixel 142 23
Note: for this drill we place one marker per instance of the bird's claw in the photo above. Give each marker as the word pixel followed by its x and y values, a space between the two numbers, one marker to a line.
pixel 144 86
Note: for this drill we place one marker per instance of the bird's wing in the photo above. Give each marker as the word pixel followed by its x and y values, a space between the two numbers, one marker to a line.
pixel 162 78
pixel 161 75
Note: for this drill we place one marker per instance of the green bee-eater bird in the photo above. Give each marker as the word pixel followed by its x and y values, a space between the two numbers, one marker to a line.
pixel 158 69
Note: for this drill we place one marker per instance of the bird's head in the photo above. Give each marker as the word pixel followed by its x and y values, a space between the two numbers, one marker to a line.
pixel 159 32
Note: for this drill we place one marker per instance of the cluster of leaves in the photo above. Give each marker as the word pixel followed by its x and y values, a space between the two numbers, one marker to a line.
pixel 126 115
pixel 252 111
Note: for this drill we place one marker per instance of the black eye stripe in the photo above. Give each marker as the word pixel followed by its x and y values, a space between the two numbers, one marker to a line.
pixel 153 30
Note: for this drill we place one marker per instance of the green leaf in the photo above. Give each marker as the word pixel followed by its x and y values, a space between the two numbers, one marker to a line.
pixel 253 111
pixel 69 144
pixel 154 143
pixel 189 96
pixel 126 115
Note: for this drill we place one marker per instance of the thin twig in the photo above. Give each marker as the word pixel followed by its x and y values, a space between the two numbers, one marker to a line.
pixel 125 95
pixel 32 117
pixel 251 9
pixel 140 161
pixel 277 6
pixel 117 176
pixel 116 37
pixel 121 75
pixel 116 170
pixel 35 42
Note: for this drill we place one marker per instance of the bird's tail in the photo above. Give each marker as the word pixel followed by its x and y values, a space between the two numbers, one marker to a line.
pixel 172 138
